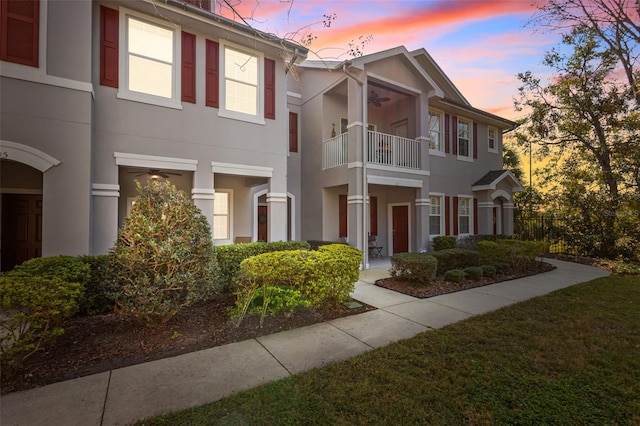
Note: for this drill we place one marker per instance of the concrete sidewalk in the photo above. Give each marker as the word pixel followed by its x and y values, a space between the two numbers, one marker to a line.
pixel 128 394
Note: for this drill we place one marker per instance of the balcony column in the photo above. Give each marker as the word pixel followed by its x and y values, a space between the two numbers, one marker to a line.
pixel 203 194
pixel 355 127
pixel 423 205
pixel 422 129
pixel 277 205
pixel 507 218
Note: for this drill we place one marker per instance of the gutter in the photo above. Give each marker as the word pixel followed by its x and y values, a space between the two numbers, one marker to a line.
pixel 365 188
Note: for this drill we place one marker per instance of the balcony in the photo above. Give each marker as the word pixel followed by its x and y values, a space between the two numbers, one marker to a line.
pixel 382 149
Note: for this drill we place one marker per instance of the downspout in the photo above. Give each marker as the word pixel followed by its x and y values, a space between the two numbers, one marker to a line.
pixel 365 189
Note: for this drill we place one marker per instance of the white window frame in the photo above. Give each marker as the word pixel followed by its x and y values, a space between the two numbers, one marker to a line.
pixel 439 151
pixel 495 139
pixel 123 68
pixel 457 139
pixel 469 215
pixel 229 214
pixel 223 111
pixel 439 196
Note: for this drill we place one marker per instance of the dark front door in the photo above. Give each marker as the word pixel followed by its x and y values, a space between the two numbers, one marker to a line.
pixel 400 229
pixel 21 229
pixel 262 223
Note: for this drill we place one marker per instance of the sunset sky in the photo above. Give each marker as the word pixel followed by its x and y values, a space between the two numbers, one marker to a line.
pixel 480 44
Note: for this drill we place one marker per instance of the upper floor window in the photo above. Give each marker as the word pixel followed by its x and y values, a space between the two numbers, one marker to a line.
pixel 149 54
pixel 435 131
pixel 435 215
pixel 464 138
pixel 241 78
pixel 492 135
pixel 19 31
pixel 464 215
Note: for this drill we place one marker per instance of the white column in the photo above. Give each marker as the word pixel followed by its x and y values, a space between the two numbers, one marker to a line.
pixel 105 217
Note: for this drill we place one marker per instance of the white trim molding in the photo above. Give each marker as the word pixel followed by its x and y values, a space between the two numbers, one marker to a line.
pixel 241 169
pixel 394 181
pixel 373 166
pixel 27 155
pixel 203 194
pixel 155 162
pixel 276 197
pixel 507 205
pixel 105 190
pixel 355 199
pixel 486 205
pixel 501 193
pixel 423 202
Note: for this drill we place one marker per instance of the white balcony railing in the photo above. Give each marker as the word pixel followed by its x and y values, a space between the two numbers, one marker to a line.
pixel 393 151
pixel 335 151
pixel 383 149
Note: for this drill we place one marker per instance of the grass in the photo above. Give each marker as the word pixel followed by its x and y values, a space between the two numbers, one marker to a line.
pixel 571 357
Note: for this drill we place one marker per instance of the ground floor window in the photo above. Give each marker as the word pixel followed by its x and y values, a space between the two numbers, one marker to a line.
pixel 222 215
pixel 464 215
pixel 435 215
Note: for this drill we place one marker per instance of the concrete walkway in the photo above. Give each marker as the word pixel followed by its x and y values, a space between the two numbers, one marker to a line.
pixel 128 394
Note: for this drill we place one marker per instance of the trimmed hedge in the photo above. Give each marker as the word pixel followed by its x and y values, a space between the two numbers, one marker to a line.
pixel 231 256
pixel 34 298
pixel 444 242
pixel 324 278
pixel 473 272
pixel 454 275
pixel 456 258
pixel 470 242
pixel 417 268
pixel 488 271
pixel 516 253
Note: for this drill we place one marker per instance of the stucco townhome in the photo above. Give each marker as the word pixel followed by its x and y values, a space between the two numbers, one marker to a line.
pixel 392 155
pixel 95 95
pixel 98 94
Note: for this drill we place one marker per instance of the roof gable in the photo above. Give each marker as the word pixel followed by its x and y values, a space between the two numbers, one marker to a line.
pixel 491 180
pixel 430 66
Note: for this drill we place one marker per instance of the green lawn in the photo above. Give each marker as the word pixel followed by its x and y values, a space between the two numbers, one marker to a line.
pixel 569 358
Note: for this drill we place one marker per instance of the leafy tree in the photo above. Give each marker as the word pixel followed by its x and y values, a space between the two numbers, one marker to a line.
pixel 163 259
pixel 586 122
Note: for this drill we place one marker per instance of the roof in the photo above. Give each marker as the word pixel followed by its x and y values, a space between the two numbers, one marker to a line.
pixel 490 181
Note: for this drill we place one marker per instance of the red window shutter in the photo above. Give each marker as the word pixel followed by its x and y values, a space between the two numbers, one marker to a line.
pixel 20 31
pixel 447 215
pixel 456 219
pixel 109 44
pixel 212 81
pixel 454 132
pixel 269 88
pixel 342 213
pixel 475 215
pixel 373 215
pixel 188 73
pixel 475 140
pixel 447 135
pixel 293 132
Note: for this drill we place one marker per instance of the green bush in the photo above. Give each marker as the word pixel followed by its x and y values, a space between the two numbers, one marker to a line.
pixel 230 257
pixel 454 275
pixel 518 254
pixel 95 299
pixel 488 271
pixel 163 259
pixel 276 300
pixel 502 267
pixel 417 268
pixel 33 306
pixel 324 278
pixel 444 242
pixel 455 259
pixel 473 272
pixel 67 268
pixel 470 242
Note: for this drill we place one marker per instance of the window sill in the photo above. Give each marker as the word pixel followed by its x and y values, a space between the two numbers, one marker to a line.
pixel 436 153
pixel 151 100
pixel 493 151
pixel 466 159
pixel 241 117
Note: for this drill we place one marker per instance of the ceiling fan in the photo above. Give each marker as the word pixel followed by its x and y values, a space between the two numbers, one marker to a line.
pixel 375 99
pixel 156 173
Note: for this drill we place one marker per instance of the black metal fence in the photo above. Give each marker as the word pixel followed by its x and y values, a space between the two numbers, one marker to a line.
pixel 550 228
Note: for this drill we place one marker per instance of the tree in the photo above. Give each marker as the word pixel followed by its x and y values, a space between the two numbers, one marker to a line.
pixel 587 123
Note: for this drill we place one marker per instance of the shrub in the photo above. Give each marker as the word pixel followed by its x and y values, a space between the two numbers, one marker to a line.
pixel 488 271
pixel 470 242
pixel 324 278
pixel 277 300
pixel 230 257
pixel 502 267
pixel 417 268
pixel 444 242
pixel 163 259
pixel 515 252
pixel 32 308
pixel 95 298
pixel 454 275
pixel 455 259
pixel 315 244
pixel 473 272
pixel 66 268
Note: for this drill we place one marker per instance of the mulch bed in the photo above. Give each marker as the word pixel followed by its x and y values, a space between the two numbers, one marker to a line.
pixel 439 286
pixel 99 343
